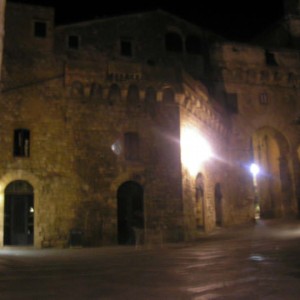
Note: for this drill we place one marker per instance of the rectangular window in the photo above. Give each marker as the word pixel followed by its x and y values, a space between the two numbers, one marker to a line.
pixel 126 48
pixel 40 29
pixel 270 59
pixel 263 98
pixel 73 42
pixel 131 146
pixel 21 142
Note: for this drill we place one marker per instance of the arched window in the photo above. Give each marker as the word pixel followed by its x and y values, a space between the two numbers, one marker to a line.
pixel 193 45
pixel 150 101
pixel 114 94
pixel 133 96
pixel 173 42
pixel 168 95
pixel 96 91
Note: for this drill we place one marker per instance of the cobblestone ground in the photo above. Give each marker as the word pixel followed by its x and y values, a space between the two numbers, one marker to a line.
pixel 255 262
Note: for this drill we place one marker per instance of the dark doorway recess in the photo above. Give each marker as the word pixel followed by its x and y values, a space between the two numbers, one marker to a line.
pixel 130 211
pixel 218 204
pixel 18 214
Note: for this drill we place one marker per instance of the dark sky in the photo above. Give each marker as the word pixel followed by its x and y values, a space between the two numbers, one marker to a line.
pixel 233 19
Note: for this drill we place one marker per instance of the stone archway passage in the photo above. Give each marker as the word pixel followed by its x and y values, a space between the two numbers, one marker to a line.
pixel 274 182
pixel 130 212
pixel 18 214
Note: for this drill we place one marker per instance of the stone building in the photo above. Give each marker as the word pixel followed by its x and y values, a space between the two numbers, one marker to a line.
pixel 140 121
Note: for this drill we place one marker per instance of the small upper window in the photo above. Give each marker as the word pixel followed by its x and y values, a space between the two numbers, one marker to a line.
pixel 270 59
pixel 114 94
pixel 40 29
pixel 126 48
pixel 73 42
pixel 150 101
pixel 173 42
pixel 21 142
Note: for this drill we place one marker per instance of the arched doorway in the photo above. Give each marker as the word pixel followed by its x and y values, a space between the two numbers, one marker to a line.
pixel 130 212
pixel 200 213
pixel 18 214
pixel 274 182
pixel 218 204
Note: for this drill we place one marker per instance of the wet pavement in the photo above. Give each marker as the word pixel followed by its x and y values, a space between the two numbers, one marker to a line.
pixel 259 261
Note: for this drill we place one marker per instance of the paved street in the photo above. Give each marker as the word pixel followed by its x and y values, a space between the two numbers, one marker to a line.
pixel 254 262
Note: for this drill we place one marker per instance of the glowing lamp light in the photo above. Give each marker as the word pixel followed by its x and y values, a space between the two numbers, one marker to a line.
pixel 194 150
pixel 254 169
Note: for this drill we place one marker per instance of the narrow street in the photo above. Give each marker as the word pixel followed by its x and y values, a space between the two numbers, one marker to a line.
pixel 254 262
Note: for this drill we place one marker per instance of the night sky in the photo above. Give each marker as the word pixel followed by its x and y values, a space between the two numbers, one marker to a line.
pixel 239 20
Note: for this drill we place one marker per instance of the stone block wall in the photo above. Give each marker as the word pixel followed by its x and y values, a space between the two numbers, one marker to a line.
pixel 79 104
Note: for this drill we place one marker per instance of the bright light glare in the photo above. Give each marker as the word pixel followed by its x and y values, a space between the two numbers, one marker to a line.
pixel 254 169
pixel 194 150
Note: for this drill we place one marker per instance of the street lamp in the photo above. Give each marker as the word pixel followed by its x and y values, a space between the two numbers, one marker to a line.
pixel 254 169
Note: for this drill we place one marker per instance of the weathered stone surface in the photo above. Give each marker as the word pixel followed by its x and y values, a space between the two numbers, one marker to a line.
pixel 79 104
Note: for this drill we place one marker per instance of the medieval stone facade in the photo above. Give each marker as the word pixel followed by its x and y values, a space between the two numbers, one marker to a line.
pixel 101 124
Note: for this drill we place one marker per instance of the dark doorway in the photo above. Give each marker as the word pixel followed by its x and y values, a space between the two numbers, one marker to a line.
pixel 130 212
pixel 218 204
pixel 200 213
pixel 18 214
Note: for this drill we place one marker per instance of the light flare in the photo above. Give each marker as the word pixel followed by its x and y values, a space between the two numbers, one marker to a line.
pixel 254 169
pixel 194 150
